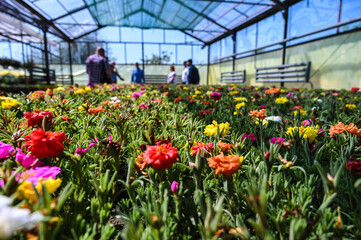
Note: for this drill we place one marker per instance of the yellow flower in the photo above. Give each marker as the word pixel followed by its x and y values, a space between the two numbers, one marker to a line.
pixel 235 113
pixel 58 89
pixel 133 86
pixel 308 132
pixel 87 89
pixel 83 107
pixel 240 99
pixel 281 100
pixel 282 91
pixel 185 88
pixel 198 92
pixel 26 188
pixel 351 106
pixel 323 94
pixel 233 93
pixel 211 130
pixel 239 105
pixel 9 103
pixel 340 99
pixel 302 112
pixel 79 91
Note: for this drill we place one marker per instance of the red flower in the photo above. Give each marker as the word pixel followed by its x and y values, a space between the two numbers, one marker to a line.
pixel 202 148
pixel 354 165
pixel 297 107
pixel 355 89
pixel 161 156
pixel 45 144
pixel 36 119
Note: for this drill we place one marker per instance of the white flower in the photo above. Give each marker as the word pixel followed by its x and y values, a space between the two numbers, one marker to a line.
pixel 319 100
pixel 12 218
pixel 274 118
pixel 115 100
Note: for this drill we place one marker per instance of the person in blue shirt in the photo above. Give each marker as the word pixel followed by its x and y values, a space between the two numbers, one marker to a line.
pixel 137 75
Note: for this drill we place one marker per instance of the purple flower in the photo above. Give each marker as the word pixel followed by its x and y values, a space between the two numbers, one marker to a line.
pixel 256 95
pixel 175 187
pixel 277 140
pixel 6 150
pixel 262 107
pixel 27 161
pixel 216 95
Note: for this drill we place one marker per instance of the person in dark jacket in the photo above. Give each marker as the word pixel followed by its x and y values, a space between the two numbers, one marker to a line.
pixel 193 74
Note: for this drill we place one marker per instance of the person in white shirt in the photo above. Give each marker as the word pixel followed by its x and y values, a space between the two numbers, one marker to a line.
pixel 185 73
pixel 172 76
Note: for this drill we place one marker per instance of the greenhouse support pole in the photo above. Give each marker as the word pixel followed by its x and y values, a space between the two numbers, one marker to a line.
pixel 70 63
pixel 208 62
pixel 234 38
pixel 285 17
pixel 46 51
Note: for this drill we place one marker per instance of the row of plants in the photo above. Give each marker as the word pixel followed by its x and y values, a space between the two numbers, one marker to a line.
pixel 6 62
pixel 180 162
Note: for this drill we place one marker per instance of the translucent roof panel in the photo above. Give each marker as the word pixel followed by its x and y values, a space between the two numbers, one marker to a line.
pixel 203 19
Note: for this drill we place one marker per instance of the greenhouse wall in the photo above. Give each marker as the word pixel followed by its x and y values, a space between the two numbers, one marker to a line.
pixel 335 62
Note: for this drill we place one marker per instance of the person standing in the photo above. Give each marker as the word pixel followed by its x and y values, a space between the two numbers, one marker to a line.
pixel 193 74
pixel 97 67
pixel 114 73
pixel 172 76
pixel 185 73
pixel 137 75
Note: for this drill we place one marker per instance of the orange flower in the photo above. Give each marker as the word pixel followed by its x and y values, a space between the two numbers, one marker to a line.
pixel 226 165
pixel 225 146
pixel 340 127
pixel 178 99
pixel 261 114
pixel 166 93
pixel 273 91
pixel 95 110
pixel 141 162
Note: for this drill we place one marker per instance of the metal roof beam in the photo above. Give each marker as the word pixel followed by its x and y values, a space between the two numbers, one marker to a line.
pixel 201 14
pixel 253 20
pixel 69 13
pixel 44 19
pixel 84 34
pixel 239 2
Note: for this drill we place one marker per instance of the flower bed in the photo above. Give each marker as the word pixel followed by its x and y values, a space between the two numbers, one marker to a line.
pixel 180 162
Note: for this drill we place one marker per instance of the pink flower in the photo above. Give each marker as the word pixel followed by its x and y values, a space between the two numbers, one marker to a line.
pixel 6 150
pixel 216 95
pixel 262 107
pixel 175 187
pixel 143 106
pixel 192 164
pixel 307 122
pixel 27 161
pixel 136 95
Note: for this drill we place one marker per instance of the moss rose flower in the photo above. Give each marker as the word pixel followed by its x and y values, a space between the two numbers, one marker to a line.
pixel 161 156
pixel 45 144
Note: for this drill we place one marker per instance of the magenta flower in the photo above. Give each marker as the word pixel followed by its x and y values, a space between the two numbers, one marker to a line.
pixel 136 95
pixel 27 161
pixel 175 187
pixel 143 106
pixel 216 95
pixel 6 150
pixel 320 132
pixel 35 174
pixel 262 107
pixel 250 136
pixel 81 152
pixel 277 140
pixel 307 122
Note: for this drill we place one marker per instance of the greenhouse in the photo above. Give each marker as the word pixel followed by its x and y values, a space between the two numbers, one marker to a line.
pixel 180 119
